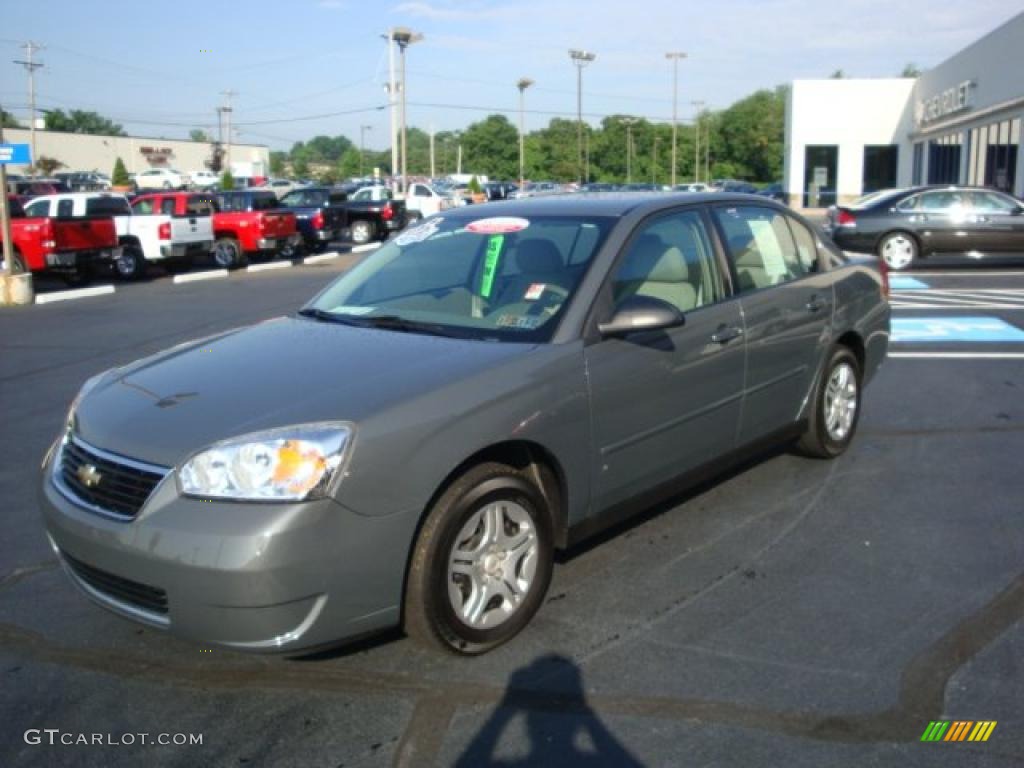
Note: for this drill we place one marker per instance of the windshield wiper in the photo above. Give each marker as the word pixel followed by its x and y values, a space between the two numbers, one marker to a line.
pixel 329 317
pixel 396 323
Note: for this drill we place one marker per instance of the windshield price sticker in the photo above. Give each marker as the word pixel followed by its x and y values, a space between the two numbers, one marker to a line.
pixel 498 225
pixel 491 260
pixel 420 233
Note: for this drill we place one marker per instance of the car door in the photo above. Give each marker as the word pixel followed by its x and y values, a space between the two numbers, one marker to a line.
pixel 665 402
pixel 787 303
pixel 1000 222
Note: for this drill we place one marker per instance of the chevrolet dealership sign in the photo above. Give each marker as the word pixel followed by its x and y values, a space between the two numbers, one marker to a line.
pixel 949 102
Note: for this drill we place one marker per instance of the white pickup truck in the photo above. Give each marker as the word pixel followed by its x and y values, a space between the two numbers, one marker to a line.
pixel 172 240
pixel 422 199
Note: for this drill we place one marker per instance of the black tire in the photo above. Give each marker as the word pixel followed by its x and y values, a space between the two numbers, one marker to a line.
pixel 899 250
pixel 132 264
pixel 227 253
pixel 362 231
pixel 820 440
pixel 290 252
pixel 429 616
pixel 17 263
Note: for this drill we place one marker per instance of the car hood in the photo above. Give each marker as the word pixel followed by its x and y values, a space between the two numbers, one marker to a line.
pixel 281 372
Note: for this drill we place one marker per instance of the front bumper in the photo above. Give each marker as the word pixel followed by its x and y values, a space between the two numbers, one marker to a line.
pixel 250 576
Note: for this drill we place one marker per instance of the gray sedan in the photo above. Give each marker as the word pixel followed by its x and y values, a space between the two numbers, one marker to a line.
pixel 412 446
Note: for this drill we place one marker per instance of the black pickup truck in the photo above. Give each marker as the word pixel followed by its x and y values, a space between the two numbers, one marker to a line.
pixel 326 213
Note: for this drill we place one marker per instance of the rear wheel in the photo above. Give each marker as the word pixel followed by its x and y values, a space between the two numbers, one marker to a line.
pixel 131 265
pixel 227 254
pixel 898 250
pixel 836 409
pixel 362 232
pixel 482 562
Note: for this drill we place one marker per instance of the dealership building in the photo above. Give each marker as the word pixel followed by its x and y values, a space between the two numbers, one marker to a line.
pixel 86 152
pixel 959 123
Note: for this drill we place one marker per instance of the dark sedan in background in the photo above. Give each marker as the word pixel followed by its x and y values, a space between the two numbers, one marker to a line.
pixel 415 443
pixel 904 226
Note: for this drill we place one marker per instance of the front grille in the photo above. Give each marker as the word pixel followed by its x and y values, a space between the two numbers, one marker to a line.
pixel 143 596
pixel 105 482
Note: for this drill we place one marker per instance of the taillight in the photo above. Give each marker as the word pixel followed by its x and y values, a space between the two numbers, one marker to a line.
pixel 48 237
pixel 263 222
pixel 387 213
pixel 164 231
pixel 883 268
pixel 846 219
pixel 318 220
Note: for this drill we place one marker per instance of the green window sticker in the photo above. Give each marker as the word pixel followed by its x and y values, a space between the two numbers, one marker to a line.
pixel 491 261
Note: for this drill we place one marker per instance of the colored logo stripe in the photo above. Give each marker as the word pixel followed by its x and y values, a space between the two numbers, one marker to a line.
pixel 958 730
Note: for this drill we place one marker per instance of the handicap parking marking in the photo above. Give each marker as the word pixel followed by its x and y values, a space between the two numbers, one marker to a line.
pixel 902 283
pixel 954 329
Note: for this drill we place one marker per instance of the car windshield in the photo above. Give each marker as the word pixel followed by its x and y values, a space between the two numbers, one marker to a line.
pixel 501 278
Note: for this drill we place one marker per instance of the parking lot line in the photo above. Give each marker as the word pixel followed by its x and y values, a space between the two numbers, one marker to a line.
pixel 196 276
pixel 78 293
pixel 270 265
pixel 367 247
pixel 320 258
pixel 965 273
pixel 960 355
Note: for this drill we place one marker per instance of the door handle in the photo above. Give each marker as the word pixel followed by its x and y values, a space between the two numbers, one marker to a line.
pixel 815 304
pixel 726 333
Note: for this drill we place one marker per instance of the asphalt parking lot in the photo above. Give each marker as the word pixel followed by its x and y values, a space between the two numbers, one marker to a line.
pixel 797 612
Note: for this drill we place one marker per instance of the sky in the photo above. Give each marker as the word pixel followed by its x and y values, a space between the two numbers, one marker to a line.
pixel 300 68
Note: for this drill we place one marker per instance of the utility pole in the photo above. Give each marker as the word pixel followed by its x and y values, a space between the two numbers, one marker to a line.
pixel 392 100
pixel 628 122
pixel 404 37
pixel 31 66
pixel 580 59
pixel 674 57
pixel 696 141
pixel 654 161
pixel 522 85
pixel 362 145
pixel 433 165
pixel 226 109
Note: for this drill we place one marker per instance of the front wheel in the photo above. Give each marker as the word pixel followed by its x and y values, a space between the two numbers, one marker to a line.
pixel 898 250
pixel 227 254
pixel 482 562
pixel 833 421
pixel 131 265
pixel 17 264
pixel 362 232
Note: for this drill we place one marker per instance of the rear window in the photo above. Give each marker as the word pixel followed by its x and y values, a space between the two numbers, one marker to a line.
pixel 107 206
pixel 264 202
pixel 199 206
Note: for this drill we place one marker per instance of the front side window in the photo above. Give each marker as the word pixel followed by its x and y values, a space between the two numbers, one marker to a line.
pixel 107 206
pixel 761 246
pixel 65 209
pixel 670 259
pixel 264 202
pixel 496 279
pixel 167 206
pixel 143 207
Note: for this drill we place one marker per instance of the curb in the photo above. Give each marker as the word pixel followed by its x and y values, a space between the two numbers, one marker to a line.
pixel 196 276
pixel 322 257
pixel 78 293
pixel 367 247
pixel 268 266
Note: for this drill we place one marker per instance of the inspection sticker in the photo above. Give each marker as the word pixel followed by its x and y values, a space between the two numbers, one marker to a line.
pixel 535 291
pixel 420 233
pixel 939 329
pixel 497 225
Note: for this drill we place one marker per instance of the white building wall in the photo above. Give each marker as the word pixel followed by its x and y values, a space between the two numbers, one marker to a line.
pixel 81 152
pixel 848 113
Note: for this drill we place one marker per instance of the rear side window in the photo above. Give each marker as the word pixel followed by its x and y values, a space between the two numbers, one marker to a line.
pixel 167 206
pixel 990 202
pixel 66 209
pixel 806 245
pixel 337 198
pixel 107 206
pixel 143 207
pixel 761 247
pixel 264 202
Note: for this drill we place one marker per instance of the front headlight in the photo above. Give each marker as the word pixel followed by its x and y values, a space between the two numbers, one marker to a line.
pixel 288 464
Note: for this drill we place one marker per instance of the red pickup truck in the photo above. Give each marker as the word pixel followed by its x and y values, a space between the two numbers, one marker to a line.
pixel 69 247
pixel 250 224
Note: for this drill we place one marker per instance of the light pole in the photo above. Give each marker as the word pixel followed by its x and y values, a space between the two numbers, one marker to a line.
pixel 674 57
pixel 362 145
pixel 628 122
pixel 404 37
pixel 522 85
pixel 580 59
pixel 654 161
pixel 696 141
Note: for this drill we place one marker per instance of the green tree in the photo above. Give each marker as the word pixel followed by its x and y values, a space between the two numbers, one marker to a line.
pixel 911 70
pixel 349 165
pixel 227 181
pixel 491 147
pixel 80 121
pixel 215 162
pixel 551 153
pixel 838 75
pixel 474 186
pixel 47 165
pixel 750 136
pixel 277 161
pixel 198 134
pixel 7 120
pixel 119 177
pixel 300 165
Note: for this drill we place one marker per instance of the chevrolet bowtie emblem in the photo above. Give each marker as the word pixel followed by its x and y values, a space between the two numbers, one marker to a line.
pixel 89 476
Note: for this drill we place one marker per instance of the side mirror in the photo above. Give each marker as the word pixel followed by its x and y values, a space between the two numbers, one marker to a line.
pixel 641 313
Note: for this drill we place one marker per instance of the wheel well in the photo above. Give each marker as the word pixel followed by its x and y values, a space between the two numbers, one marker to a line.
pixel 222 235
pixel 533 459
pixel 129 240
pixel 852 341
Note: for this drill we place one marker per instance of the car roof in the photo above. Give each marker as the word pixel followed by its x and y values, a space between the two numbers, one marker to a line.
pixel 609 204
